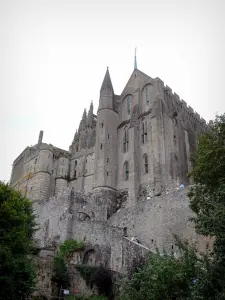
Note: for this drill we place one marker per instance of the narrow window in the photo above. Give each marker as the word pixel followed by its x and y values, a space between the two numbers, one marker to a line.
pixel 31 188
pixel 128 105
pixel 35 161
pixel 146 163
pixel 107 173
pixel 107 159
pixel 102 124
pixel 144 132
pixel 86 171
pixel 75 174
pixel 75 162
pixel 126 140
pixel 147 95
pixel 108 136
pixel 101 146
pixel 126 171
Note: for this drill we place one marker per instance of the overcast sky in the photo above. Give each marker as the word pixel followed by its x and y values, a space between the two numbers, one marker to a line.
pixel 54 54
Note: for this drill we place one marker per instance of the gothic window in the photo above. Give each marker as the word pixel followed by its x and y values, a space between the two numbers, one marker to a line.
pixel 126 169
pixel 125 140
pixel 146 163
pixel 128 105
pixel 144 132
pixel 147 95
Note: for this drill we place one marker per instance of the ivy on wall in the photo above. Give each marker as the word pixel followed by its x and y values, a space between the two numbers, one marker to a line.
pixel 63 256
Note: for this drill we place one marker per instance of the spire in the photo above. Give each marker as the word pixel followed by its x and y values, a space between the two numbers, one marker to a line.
pixel 84 118
pixel 90 115
pixel 107 83
pixel 135 59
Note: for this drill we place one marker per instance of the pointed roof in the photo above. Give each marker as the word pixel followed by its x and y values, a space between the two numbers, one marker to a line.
pixel 107 83
pixel 84 118
pixel 91 108
pixel 136 77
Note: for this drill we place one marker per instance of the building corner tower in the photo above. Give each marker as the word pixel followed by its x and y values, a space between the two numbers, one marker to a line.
pixel 105 172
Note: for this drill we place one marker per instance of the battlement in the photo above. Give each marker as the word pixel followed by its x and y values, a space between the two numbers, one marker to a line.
pixel 180 104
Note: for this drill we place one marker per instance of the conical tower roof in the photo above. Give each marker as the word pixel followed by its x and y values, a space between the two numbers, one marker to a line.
pixel 107 83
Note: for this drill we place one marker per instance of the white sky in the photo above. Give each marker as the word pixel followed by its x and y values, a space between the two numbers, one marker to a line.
pixel 54 54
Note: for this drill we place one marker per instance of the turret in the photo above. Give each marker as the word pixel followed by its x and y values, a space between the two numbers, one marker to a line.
pixel 106 93
pixel 41 186
pixel 105 171
pixel 62 174
pixel 90 116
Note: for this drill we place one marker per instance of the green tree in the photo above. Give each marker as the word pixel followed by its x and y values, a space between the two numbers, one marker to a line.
pixel 193 276
pixel 207 195
pixel 17 227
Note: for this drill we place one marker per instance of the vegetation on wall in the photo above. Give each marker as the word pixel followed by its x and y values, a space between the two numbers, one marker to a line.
pixel 17 227
pixel 192 276
pixel 63 256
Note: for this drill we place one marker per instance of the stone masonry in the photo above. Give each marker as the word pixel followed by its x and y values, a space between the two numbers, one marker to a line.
pixel 120 178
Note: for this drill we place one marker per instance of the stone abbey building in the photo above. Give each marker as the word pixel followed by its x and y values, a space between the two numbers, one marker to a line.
pixel 121 175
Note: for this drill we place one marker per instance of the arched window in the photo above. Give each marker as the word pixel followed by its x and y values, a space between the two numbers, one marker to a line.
pixel 147 95
pixel 126 170
pixel 125 140
pixel 144 132
pixel 128 105
pixel 145 163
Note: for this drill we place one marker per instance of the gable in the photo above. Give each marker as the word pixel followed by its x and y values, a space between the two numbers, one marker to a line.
pixel 137 80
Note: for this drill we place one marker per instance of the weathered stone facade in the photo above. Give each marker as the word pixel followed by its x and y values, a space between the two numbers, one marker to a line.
pixel 121 175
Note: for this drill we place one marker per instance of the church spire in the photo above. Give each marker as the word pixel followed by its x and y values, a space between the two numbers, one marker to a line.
pixel 107 83
pixel 135 59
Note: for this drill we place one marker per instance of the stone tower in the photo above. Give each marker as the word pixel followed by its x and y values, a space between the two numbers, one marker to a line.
pixel 105 171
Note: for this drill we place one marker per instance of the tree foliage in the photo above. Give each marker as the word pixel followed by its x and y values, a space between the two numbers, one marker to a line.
pixel 207 195
pixel 192 276
pixel 189 277
pixel 17 227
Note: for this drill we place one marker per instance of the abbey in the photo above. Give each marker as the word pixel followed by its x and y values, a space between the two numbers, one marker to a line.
pixel 122 174
pixel 140 139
